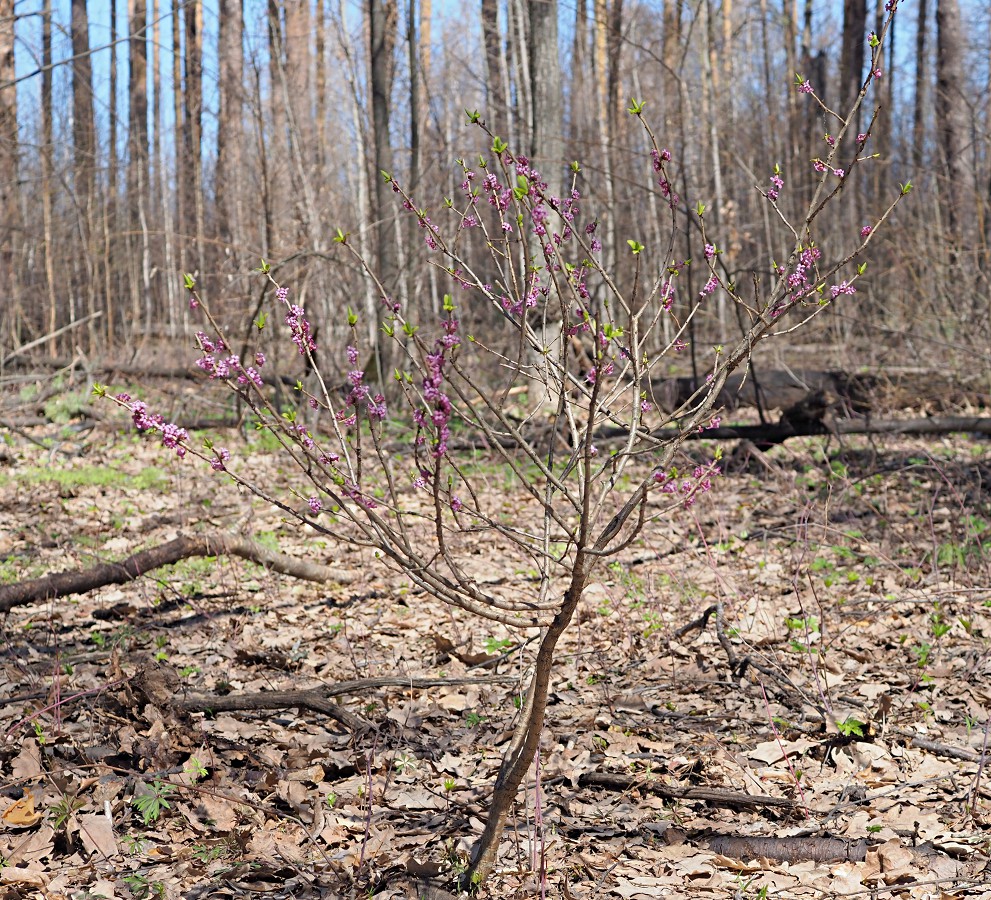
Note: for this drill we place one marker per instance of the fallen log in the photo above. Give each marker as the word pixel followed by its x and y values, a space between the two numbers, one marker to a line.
pixel 319 699
pixel 60 584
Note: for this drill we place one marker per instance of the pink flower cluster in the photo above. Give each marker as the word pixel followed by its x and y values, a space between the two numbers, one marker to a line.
pixel 358 393
pixel 216 365
pixel 173 436
pixel 658 158
pixel 689 488
pixel 299 326
pixel 777 183
pixel 437 415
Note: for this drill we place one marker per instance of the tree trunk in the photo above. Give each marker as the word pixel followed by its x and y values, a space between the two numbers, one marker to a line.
pixel 84 157
pixel 137 152
pixel 495 99
pixel 852 52
pixel 952 120
pixel 230 118
pixel 193 121
pixel 46 170
pixel 8 154
pixel 547 137
pixel 382 35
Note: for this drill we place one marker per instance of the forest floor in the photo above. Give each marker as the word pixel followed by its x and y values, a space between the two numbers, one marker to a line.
pixel 855 577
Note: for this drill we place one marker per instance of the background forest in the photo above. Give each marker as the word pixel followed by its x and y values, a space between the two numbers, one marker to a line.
pixel 217 134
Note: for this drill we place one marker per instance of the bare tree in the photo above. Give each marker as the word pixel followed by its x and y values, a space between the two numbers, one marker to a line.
pixel 921 83
pixel 852 51
pixel 382 23
pixel 952 118
pixel 495 98
pixel 192 95
pixel 547 117
pixel 8 150
pixel 230 121
pixel 137 156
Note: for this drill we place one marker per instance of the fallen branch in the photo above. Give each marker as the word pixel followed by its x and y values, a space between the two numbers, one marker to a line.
pixel 715 796
pixel 318 699
pixel 817 848
pixel 777 433
pixel 60 584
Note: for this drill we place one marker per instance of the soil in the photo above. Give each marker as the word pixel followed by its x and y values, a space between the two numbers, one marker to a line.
pixel 844 674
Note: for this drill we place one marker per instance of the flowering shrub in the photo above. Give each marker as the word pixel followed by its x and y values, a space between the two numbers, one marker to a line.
pixel 583 360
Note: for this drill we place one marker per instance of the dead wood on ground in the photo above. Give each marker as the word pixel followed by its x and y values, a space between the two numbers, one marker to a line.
pixel 60 584
pixel 319 699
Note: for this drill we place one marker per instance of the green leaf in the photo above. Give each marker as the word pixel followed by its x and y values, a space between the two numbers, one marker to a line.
pixel 341 237
pixel 905 188
pixel 409 329
pixel 352 318
pixel 385 175
pixel 265 267
pixel 700 209
pixel 636 107
pixel 862 268
pixel 261 321
pixel 474 116
pixel 188 281
pixel 448 303
pixel 99 390
pixel 575 168
pixel 635 246
pixel 498 145
pixel 851 727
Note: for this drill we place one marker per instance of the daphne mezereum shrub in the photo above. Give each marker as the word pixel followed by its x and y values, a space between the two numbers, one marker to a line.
pixel 559 393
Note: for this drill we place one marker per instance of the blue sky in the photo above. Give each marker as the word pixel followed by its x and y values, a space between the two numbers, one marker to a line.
pixel 28 46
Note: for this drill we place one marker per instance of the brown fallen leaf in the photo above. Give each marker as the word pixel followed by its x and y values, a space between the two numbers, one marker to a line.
pixel 21 813
pixel 97 834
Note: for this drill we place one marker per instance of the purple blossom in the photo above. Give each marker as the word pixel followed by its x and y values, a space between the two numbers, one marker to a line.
pixel 865 232
pixel 844 287
pixel 314 504
pixel 219 462
pixel 709 286
pixel 710 251
pixel 456 504
pixel 805 87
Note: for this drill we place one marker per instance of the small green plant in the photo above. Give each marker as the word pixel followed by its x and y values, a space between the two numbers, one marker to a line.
pixel 851 727
pixel 493 645
pixel 208 854
pixel 873 829
pixel 64 810
pixel 473 718
pixel 404 763
pixel 141 888
pixel 449 785
pixel 189 671
pixel 195 768
pixel 151 800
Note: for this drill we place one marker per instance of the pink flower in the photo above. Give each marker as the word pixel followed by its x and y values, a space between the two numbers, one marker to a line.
pixel 865 232
pixel 805 87
pixel 314 504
